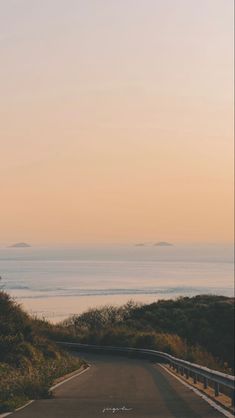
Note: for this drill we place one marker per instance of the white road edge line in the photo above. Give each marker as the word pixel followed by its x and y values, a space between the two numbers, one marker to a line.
pixel 70 378
pixel 208 400
pixel 51 388
pixel 18 409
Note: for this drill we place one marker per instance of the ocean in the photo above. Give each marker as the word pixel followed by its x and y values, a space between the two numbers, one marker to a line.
pixel 55 283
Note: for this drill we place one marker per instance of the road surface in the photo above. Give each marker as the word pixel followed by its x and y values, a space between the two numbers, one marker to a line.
pixel 136 388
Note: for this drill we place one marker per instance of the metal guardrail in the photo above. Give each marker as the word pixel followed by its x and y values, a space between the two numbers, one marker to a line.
pixel 209 377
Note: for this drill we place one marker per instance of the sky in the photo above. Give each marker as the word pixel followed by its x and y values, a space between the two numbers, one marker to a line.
pixel 116 121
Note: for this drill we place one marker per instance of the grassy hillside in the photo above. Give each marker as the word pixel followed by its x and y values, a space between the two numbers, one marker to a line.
pixel 29 362
pixel 200 329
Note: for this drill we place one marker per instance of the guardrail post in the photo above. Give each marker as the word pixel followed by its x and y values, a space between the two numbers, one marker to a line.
pixel 216 389
pixel 187 373
pixel 182 371
pixel 233 397
pixel 195 378
pixel 205 383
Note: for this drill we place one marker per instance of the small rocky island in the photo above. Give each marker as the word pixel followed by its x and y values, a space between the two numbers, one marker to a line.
pixel 20 245
pixel 163 244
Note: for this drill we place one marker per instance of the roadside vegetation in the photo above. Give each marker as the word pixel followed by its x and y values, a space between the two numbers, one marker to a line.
pixel 199 329
pixel 29 362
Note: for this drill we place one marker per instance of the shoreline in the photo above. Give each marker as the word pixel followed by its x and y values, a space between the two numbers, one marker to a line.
pixel 63 307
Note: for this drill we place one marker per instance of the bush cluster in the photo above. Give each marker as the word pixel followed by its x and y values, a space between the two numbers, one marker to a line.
pixel 199 329
pixel 29 362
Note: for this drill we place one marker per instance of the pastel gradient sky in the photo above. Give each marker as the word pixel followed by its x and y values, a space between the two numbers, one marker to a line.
pixel 116 121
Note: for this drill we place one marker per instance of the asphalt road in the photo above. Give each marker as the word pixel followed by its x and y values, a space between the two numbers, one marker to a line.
pixel 137 388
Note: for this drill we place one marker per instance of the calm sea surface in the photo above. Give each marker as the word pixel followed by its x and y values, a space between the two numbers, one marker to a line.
pixel 58 282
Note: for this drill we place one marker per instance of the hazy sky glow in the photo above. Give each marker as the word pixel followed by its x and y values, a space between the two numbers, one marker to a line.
pixel 116 120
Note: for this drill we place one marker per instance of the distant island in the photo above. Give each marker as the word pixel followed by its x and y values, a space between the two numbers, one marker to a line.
pixel 163 244
pixel 20 245
pixel 157 244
